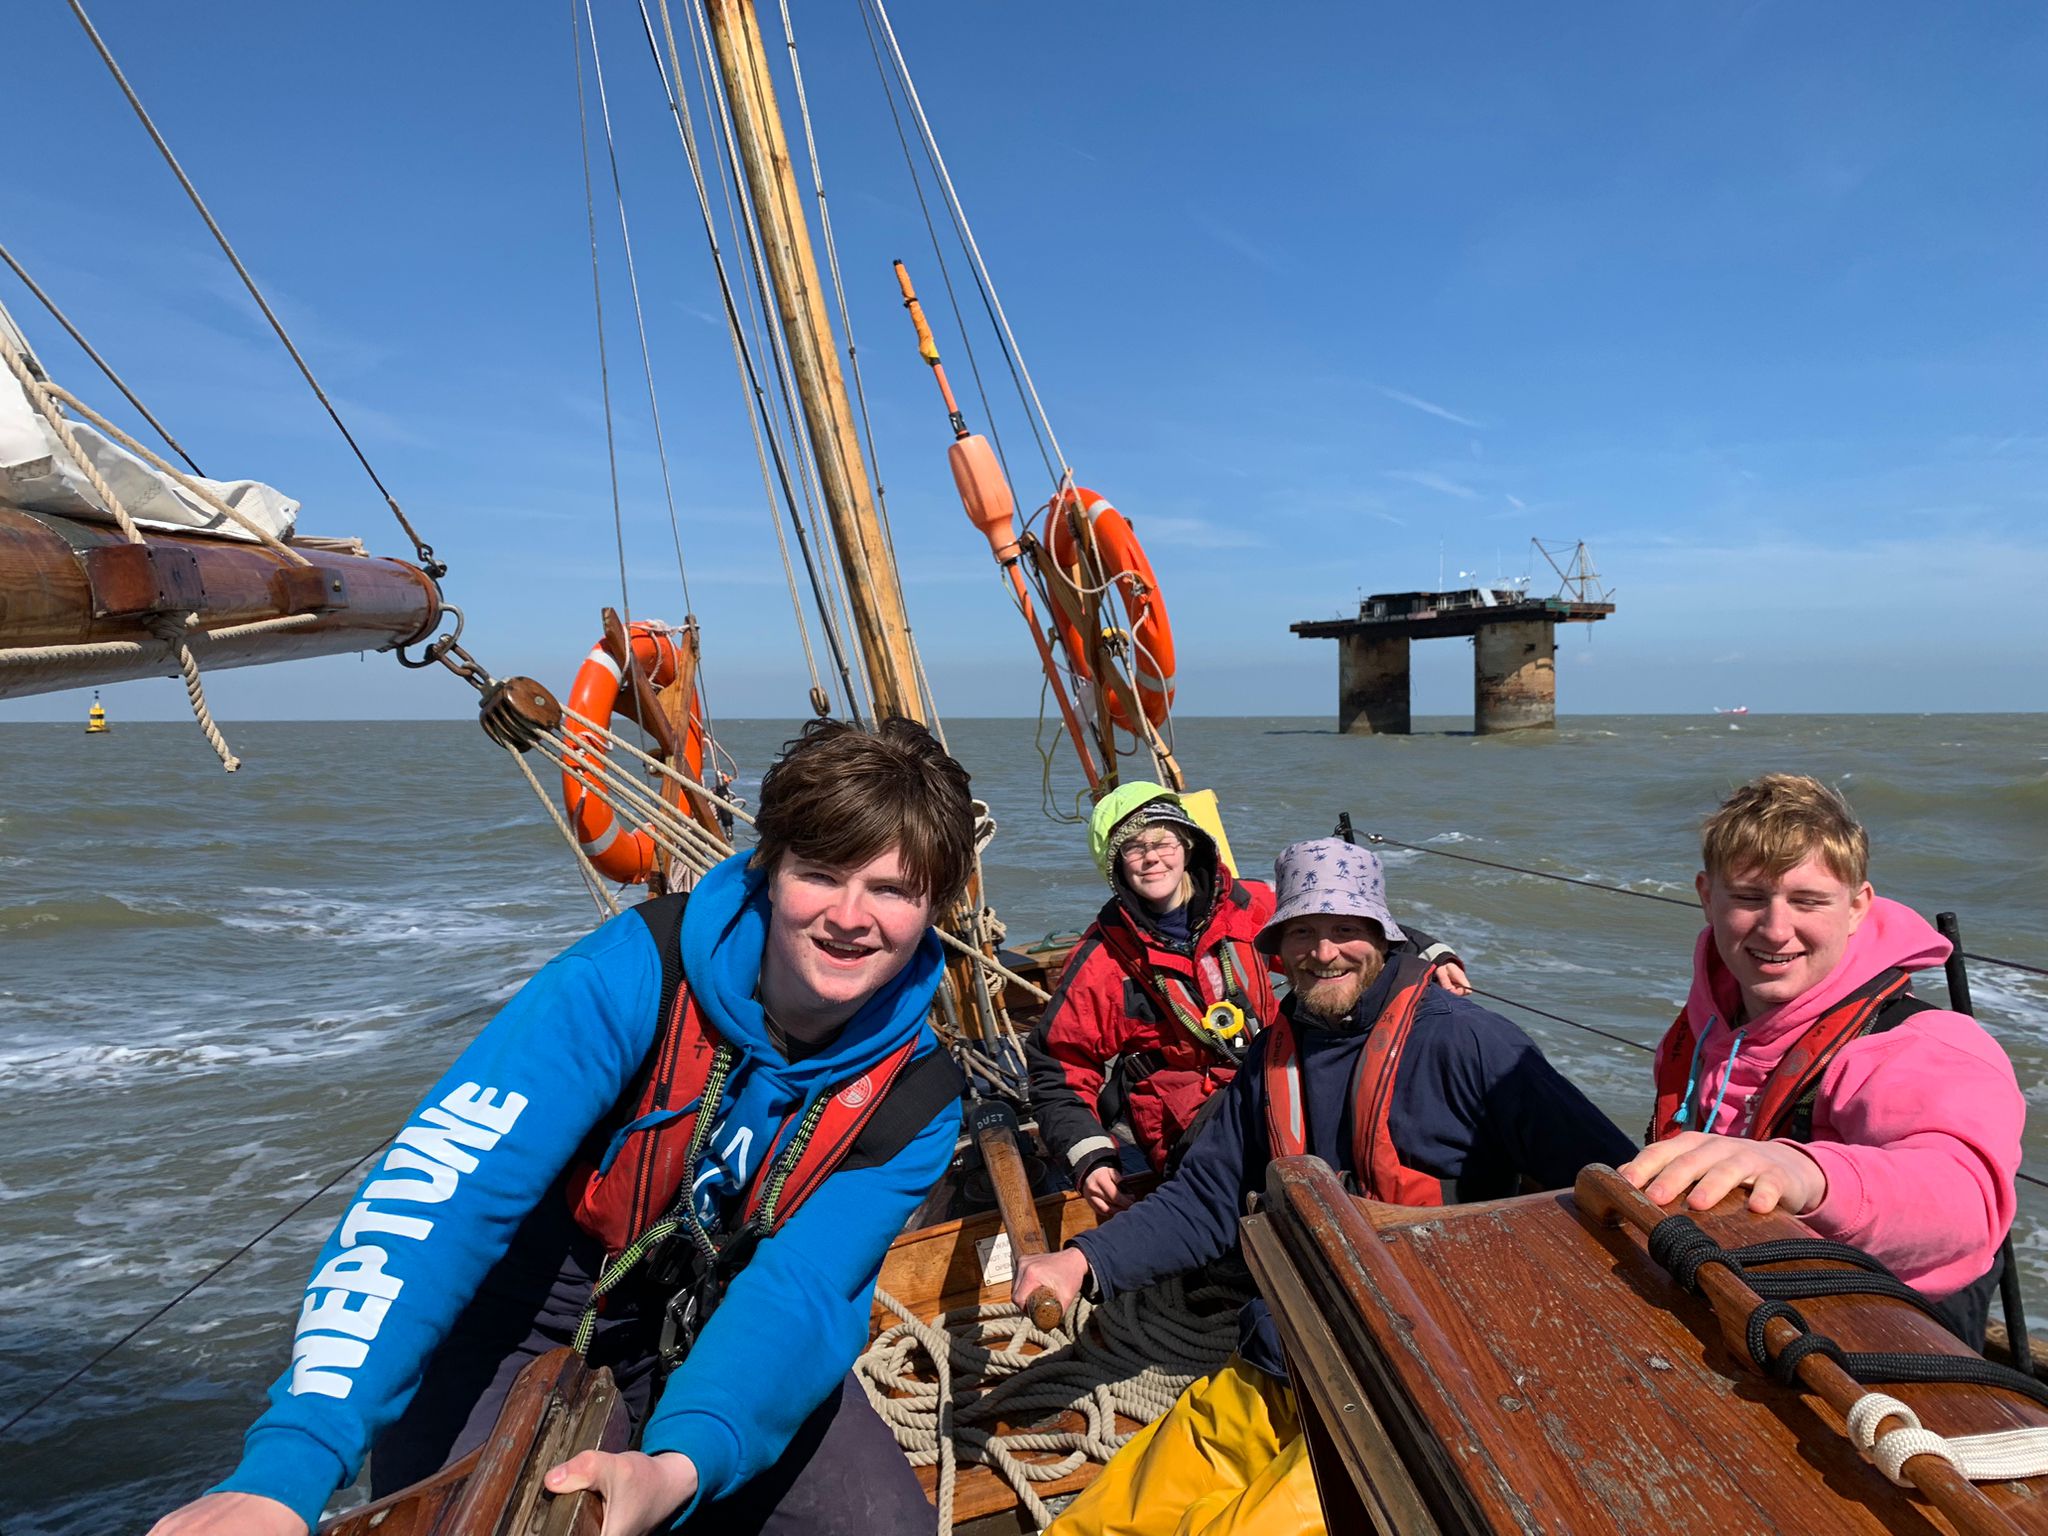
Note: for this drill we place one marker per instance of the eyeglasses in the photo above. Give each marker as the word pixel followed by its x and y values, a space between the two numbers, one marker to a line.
pixel 1150 847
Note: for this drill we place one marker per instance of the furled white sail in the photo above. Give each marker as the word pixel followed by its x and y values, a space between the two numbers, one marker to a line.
pixel 38 474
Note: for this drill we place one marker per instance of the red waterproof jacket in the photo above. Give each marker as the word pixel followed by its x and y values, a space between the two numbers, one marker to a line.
pixel 1105 1028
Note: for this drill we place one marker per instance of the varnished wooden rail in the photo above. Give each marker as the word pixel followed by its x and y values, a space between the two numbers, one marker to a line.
pixel 1610 1199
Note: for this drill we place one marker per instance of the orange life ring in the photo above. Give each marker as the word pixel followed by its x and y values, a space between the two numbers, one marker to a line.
pixel 626 855
pixel 1125 567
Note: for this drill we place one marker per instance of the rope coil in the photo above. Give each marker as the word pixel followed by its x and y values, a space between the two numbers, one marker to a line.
pixel 1131 1357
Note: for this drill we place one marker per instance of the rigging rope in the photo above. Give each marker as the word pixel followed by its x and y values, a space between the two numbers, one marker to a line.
pixel 640 323
pixel 425 552
pixel 750 382
pixel 1638 1045
pixel 99 362
pixel 131 650
pixel 604 371
pixel 171 629
pixel 811 468
pixel 919 683
pixel 156 461
pixel 839 636
pixel 1013 354
pixel 592 881
pixel 932 233
pixel 86 1369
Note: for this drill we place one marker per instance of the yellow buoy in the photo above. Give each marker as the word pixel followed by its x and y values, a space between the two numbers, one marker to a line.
pixel 96 718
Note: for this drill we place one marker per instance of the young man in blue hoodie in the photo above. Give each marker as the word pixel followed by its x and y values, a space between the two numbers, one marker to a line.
pixel 679 1065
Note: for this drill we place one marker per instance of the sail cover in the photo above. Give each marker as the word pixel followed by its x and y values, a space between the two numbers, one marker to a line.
pixel 37 473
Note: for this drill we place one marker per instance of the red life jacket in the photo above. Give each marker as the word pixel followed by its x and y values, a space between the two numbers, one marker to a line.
pixel 619 1201
pixel 1175 1001
pixel 1792 1079
pixel 1375 1162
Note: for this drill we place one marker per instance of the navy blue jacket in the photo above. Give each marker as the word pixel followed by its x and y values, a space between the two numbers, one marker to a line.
pixel 1475 1103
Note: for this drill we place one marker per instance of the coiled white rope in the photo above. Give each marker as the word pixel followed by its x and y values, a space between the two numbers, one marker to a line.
pixel 2000 1457
pixel 941 1387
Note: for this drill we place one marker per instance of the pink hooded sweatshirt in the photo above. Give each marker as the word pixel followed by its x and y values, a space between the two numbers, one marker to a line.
pixel 1917 1129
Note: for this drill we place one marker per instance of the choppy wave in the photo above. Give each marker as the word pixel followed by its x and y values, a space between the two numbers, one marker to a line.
pixel 105 913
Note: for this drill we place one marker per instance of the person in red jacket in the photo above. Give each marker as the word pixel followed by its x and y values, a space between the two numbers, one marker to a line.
pixel 1161 998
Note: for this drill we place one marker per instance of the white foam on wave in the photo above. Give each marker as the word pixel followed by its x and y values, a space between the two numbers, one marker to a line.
pixel 294 1044
pixel 299 913
pixel 1453 837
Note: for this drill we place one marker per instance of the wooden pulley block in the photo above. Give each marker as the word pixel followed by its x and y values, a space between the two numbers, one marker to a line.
pixel 518 712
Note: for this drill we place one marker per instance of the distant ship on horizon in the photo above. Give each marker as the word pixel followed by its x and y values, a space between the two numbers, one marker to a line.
pixel 1739 709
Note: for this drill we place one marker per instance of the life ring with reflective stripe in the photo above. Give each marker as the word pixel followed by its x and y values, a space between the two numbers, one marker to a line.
pixel 624 854
pixel 1124 566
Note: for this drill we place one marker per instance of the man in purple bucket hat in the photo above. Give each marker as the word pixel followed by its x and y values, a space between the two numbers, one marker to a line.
pixel 1422 1097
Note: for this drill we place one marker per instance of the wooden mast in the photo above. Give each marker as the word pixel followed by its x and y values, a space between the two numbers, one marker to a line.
pixel 872 584
pixel 871 580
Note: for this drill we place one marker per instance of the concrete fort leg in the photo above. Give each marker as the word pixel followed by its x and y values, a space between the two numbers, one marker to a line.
pixel 1515 678
pixel 1372 685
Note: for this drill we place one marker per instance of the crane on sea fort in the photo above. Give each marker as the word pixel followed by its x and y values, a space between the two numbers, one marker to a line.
pixel 1514 652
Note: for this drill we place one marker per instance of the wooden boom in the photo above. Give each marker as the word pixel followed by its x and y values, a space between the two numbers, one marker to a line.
pixel 80 606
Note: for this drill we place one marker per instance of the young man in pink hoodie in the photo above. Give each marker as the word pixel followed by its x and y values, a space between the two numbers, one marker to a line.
pixel 1803 1068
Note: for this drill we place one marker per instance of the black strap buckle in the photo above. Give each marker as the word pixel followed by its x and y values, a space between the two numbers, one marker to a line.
pixel 703 1287
pixel 680 1321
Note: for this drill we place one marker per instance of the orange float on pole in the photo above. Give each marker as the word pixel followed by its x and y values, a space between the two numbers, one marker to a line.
pixel 985 494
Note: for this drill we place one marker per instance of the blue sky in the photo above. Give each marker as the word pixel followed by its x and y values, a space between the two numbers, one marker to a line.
pixel 1749 297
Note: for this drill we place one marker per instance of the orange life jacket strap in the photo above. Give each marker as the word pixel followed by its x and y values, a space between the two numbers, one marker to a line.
pixel 1376 1163
pixel 1800 1069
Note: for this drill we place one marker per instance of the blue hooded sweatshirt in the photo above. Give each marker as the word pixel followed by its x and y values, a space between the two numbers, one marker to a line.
pixel 492 1138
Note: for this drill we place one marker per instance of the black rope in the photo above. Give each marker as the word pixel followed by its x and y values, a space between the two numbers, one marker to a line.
pixel 1558 1018
pixel 1623 890
pixel 1683 1249
pixel 189 1291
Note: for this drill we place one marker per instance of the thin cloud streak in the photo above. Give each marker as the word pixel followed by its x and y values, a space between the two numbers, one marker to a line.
pixel 1427 407
pixel 1429 480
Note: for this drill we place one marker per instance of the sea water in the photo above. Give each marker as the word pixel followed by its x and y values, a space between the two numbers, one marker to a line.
pixel 217 992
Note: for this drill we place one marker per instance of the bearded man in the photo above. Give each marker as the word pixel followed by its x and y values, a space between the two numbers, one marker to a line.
pixel 1425 1098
